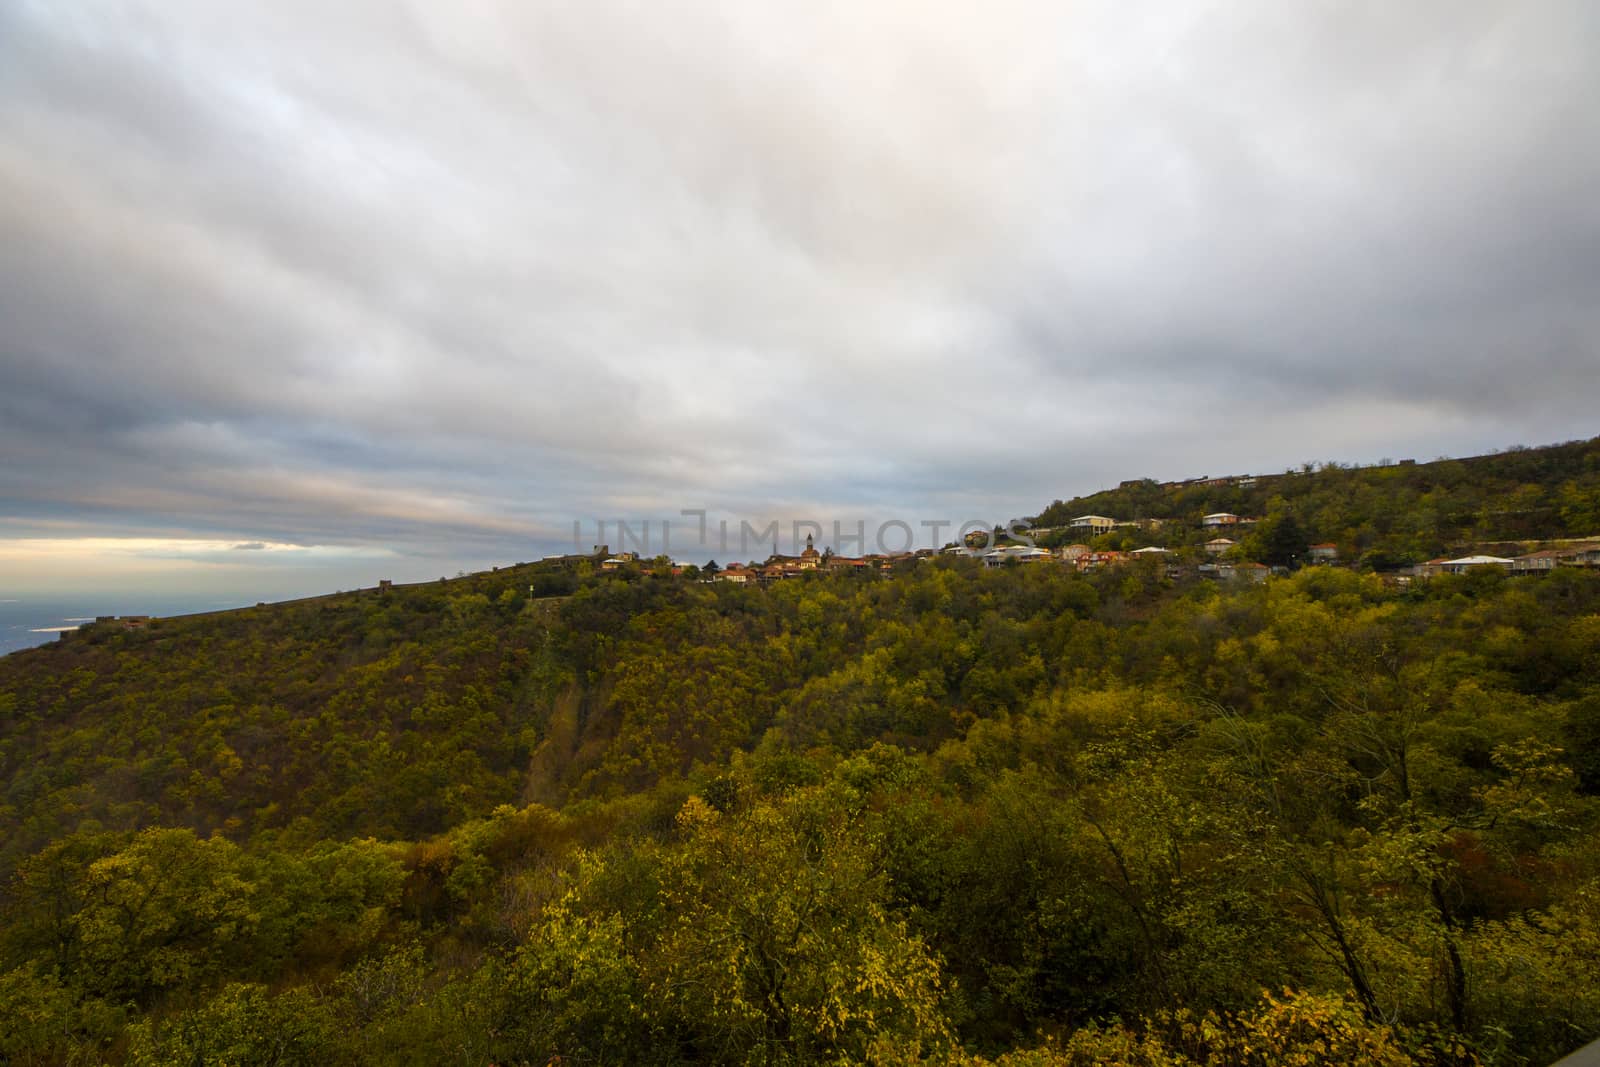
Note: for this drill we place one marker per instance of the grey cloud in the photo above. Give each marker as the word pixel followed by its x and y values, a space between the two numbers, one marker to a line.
pixel 450 276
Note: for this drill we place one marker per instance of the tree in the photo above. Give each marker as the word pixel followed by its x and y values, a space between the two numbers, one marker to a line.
pixel 780 946
pixel 166 911
pixel 1583 742
pixel 242 1024
pixel 48 1022
pixel 1283 542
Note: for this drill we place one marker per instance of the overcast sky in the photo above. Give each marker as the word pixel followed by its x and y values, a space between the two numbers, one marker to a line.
pixel 296 293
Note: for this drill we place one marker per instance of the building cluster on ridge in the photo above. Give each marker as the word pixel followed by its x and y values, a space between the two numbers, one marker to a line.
pixel 810 560
pixel 1216 559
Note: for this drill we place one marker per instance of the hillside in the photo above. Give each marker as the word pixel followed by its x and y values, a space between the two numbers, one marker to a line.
pixel 941 812
pixel 1388 516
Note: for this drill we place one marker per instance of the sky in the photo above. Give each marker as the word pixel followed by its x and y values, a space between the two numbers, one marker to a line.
pixel 295 295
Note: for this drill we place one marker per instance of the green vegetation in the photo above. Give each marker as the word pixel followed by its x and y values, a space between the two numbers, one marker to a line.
pixel 1385 516
pixel 950 814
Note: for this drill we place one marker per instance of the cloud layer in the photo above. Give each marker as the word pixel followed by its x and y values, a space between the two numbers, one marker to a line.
pixel 441 278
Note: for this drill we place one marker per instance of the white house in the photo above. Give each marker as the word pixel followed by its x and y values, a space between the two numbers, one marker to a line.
pixel 1466 563
pixel 1218 545
pixel 1220 518
pixel 1095 523
pixel 1021 553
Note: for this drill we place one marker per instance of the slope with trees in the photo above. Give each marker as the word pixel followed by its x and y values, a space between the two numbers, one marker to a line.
pixel 950 814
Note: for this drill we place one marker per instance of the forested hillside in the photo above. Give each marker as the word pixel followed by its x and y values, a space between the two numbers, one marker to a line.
pixel 946 813
pixel 1389 515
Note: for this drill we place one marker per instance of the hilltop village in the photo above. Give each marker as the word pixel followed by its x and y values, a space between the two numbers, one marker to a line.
pixel 1106 542
pixel 1522 511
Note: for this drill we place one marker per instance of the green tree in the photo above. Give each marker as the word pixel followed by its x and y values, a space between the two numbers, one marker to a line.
pixel 1283 541
pixel 241 1025
pixel 780 945
pixel 167 911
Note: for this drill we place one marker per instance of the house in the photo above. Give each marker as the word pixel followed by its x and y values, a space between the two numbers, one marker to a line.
pixel 1020 553
pixel 1095 560
pixel 1218 545
pixel 1097 524
pixel 737 575
pixel 1538 562
pixel 1252 572
pixel 1151 551
pixel 1467 563
pixel 127 622
pixel 1549 559
pixel 1074 552
pixel 1327 552
pixel 1219 518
